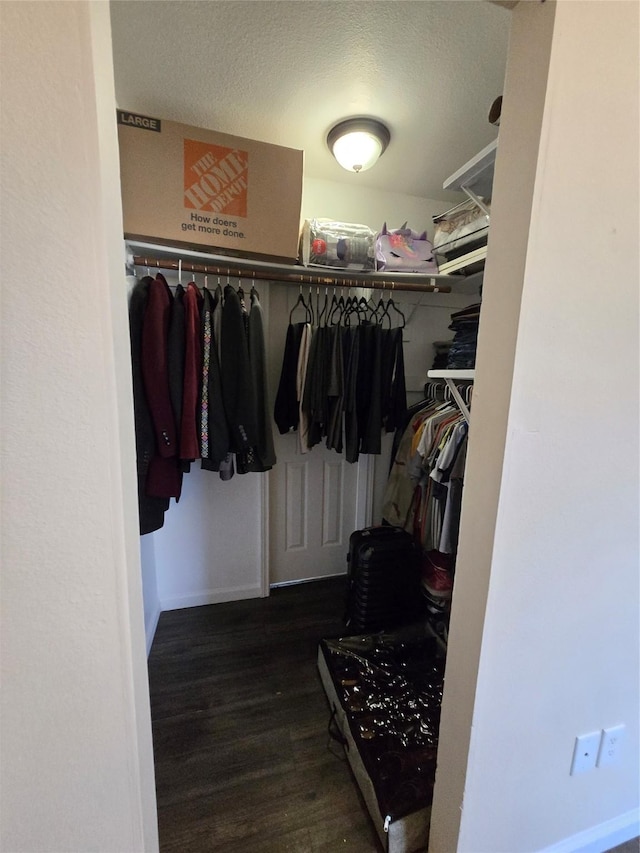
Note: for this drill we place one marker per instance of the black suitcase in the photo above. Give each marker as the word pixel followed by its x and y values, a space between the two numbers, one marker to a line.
pixel 383 580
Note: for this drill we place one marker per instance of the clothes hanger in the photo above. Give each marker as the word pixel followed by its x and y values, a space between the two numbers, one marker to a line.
pixel 392 304
pixel 333 307
pixel 352 307
pixel 325 308
pixel 340 308
pixel 371 308
pixel 240 290
pixel 363 308
pixel 380 312
pixel 310 298
pixel 318 312
pixel 300 301
pixel 254 293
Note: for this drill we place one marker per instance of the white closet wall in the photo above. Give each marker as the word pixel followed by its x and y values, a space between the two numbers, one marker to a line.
pixel 77 758
pixel 350 202
pixel 150 596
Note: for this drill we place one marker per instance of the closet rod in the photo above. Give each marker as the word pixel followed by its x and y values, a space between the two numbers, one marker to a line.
pixel 294 275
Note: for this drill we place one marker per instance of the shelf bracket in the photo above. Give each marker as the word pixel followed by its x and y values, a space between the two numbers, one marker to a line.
pixel 458 398
pixel 477 200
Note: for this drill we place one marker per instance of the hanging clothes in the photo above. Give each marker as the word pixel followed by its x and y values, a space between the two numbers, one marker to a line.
pixel 214 431
pixel 351 357
pixel 151 509
pixel 369 389
pixel 164 478
pixel 424 490
pixel 200 388
pixel 394 391
pixel 353 384
pixel 176 346
pixel 314 401
pixel 335 389
pixel 189 438
pixel 265 452
pixel 301 376
pixel 287 407
pixel 238 391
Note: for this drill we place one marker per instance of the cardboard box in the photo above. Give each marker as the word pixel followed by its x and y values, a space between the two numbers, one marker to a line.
pixel 188 186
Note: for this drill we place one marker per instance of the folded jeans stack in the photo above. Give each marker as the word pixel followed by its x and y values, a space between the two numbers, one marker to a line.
pixel 464 324
pixel 441 357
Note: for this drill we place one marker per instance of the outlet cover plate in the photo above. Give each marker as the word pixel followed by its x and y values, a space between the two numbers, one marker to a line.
pixel 610 745
pixel 585 752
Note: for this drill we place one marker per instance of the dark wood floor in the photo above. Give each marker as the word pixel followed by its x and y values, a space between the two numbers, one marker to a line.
pixel 243 760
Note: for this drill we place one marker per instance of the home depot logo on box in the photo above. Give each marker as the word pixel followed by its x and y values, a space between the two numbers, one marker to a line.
pixel 215 178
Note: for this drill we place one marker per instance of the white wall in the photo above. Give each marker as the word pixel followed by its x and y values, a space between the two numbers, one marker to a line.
pixel 209 549
pixel 560 644
pixel 524 94
pixel 151 599
pixel 367 206
pixel 77 764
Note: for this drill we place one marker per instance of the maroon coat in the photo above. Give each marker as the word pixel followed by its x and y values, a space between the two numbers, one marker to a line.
pixel 164 479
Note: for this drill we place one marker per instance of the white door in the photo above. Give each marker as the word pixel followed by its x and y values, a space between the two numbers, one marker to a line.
pixel 316 499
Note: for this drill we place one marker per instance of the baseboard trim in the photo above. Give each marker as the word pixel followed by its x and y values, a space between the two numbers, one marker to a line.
pixel 306 580
pixel 210 596
pixel 150 629
pixel 604 836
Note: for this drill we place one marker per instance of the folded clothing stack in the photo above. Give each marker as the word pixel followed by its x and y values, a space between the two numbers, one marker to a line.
pixel 464 324
pixel 441 358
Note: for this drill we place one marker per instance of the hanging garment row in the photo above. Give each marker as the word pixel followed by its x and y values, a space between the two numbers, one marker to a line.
pixel 342 376
pixel 200 388
pixel 424 490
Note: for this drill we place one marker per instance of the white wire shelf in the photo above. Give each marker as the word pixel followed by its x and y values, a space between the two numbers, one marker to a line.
pixel 451 377
pixel 460 375
pixel 477 173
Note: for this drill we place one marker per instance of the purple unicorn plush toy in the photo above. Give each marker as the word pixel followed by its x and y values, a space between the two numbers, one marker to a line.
pixel 404 250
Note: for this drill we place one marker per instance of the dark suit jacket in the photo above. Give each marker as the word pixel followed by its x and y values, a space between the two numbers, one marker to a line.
pixel 213 421
pixel 238 390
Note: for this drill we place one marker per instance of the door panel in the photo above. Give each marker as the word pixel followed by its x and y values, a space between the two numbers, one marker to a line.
pixel 332 503
pixel 315 499
pixel 312 511
pixel 296 505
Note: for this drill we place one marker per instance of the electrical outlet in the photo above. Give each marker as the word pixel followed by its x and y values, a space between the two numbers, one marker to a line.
pixel 585 753
pixel 610 745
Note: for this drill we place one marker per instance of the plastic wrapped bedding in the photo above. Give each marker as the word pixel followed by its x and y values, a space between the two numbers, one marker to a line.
pixel 343 245
pixel 385 693
pixel 463 224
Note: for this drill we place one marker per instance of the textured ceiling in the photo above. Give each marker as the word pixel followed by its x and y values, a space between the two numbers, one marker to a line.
pixel 285 71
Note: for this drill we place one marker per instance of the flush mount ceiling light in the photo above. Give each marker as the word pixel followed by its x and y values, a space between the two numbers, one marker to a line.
pixel 357 143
